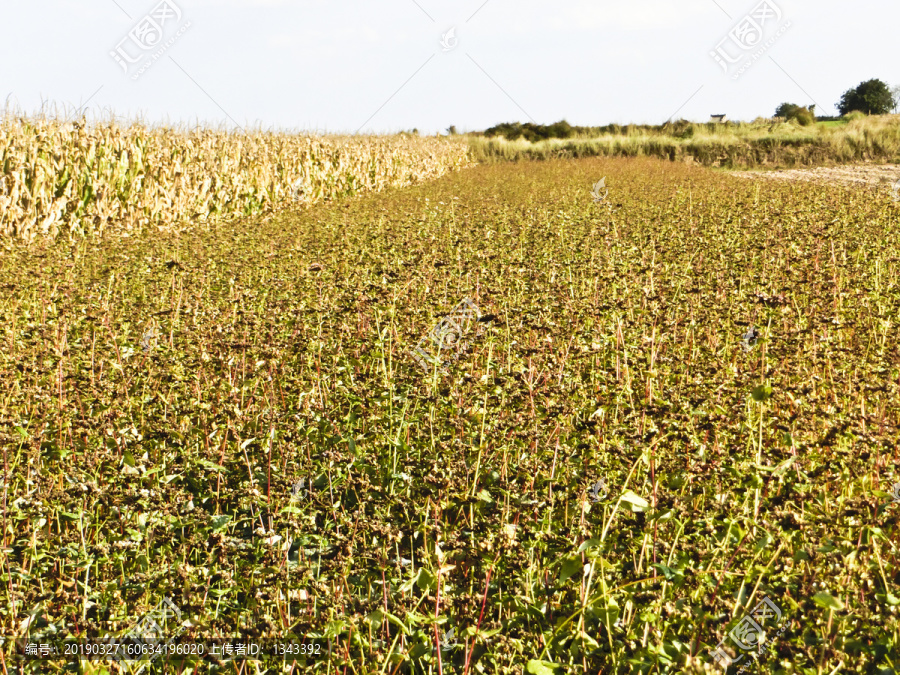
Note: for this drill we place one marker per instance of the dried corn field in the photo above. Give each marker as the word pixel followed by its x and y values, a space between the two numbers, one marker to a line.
pixel 72 178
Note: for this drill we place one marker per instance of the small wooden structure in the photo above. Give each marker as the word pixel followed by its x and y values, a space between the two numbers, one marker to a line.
pixel 718 118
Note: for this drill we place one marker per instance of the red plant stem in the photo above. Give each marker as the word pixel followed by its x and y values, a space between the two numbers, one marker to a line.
pixel 487 583
pixel 269 479
pixel 653 482
pixel 437 646
pixel 394 672
pixel 349 636
pixel 437 607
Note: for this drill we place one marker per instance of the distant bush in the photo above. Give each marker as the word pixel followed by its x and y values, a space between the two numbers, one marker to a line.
pixel 791 111
pixel 805 117
pixel 532 132
pixel 535 133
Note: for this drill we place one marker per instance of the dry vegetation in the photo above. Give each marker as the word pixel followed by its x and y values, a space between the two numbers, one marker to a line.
pixel 762 143
pixel 74 179
pixel 445 523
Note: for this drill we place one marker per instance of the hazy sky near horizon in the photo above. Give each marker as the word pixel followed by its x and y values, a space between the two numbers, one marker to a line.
pixel 376 67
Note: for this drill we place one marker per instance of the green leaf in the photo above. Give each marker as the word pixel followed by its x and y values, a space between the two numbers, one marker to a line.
pixel 128 458
pixel 609 615
pixel 667 572
pixel 570 566
pixel 536 667
pixel 589 642
pixel 762 393
pixel 334 628
pixel 485 496
pixel 210 465
pixel 784 466
pixel 407 585
pixel 485 634
pixel 676 482
pixel 218 522
pixel 420 619
pixel 637 503
pixel 763 542
pixel 397 622
pixel 828 601
pixel 590 543
pixel 425 580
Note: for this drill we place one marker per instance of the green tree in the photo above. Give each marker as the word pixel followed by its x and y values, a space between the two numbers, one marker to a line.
pixel 532 132
pixel 791 111
pixel 509 131
pixel 786 110
pixel 561 129
pixel 872 97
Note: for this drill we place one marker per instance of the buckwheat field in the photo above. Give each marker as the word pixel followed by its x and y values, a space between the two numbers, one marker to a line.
pixel 675 413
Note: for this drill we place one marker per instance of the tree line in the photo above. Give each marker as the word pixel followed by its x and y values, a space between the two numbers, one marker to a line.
pixel 872 97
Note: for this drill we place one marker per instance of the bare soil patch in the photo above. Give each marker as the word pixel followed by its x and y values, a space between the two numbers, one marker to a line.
pixel 863 175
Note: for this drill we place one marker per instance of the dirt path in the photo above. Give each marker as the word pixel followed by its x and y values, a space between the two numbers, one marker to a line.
pixel 885 176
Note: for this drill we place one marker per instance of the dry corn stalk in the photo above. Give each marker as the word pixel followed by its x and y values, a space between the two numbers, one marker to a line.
pixel 71 178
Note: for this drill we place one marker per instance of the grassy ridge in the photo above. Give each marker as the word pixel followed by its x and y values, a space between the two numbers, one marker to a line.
pixel 612 351
pixel 71 179
pixel 763 143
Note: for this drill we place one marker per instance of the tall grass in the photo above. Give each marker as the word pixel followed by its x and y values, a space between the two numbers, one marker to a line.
pixel 75 178
pixel 732 145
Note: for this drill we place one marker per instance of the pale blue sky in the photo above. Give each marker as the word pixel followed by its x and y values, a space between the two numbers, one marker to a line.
pixel 379 66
